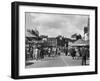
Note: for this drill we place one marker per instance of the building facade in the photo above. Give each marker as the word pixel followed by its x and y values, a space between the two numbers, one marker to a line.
pixel 86 31
pixel 52 42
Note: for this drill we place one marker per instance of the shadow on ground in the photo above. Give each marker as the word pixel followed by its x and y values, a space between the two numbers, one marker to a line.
pixel 29 63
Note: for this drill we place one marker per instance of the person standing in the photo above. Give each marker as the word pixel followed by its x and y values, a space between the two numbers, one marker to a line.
pixel 35 53
pixel 66 51
pixel 77 53
pixel 31 53
pixel 84 55
pixel 49 52
pixel 42 53
pixel 58 51
pixel 38 54
pixel 73 53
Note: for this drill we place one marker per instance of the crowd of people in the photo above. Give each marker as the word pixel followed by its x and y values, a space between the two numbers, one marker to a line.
pixel 80 52
pixel 37 53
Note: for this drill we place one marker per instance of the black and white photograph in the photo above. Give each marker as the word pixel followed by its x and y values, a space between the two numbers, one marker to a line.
pixel 51 40
pixel 55 40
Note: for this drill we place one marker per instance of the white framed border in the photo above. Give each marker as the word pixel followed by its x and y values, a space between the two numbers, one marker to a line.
pixel 38 71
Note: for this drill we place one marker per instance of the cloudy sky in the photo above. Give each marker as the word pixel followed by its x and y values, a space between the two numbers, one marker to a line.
pixel 56 24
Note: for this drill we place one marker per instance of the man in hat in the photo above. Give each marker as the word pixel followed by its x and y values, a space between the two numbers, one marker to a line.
pixel 84 52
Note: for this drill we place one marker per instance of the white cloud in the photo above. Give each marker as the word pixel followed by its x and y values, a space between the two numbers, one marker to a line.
pixel 56 24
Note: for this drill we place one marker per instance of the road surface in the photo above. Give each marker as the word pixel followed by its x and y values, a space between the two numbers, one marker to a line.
pixel 54 62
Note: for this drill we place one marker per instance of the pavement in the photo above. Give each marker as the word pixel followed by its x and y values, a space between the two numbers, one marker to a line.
pixel 57 61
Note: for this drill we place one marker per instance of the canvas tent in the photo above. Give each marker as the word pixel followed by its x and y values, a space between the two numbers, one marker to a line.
pixel 80 42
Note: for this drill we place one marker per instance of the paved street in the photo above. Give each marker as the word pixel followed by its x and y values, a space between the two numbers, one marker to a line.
pixel 54 62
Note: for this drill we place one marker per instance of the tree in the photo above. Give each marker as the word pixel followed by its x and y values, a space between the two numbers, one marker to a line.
pixel 79 36
pixel 33 32
pixel 76 36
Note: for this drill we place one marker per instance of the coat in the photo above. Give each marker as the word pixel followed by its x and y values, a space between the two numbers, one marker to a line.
pixel 84 52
